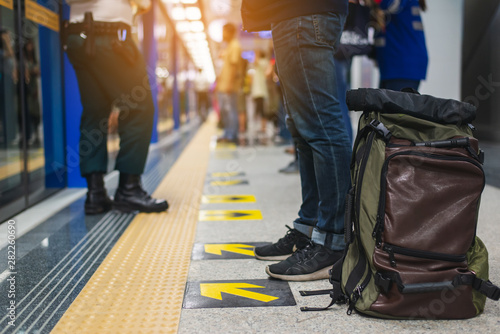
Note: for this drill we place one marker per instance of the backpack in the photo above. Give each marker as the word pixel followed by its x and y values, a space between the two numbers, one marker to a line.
pixel 411 215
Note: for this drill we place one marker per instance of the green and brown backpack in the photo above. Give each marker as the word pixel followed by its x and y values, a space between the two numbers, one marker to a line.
pixel 412 212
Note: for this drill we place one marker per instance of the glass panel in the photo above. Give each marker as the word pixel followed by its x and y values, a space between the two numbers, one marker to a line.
pixel 44 108
pixel 164 73
pixel 33 107
pixel 31 132
pixel 11 134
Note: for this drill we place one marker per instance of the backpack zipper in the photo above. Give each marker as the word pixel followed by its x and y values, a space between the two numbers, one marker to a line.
pixel 356 294
pixel 361 174
pixel 392 249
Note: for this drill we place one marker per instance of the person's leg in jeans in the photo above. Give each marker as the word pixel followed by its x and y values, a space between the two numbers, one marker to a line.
pixel 342 67
pixel 233 128
pixel 304 48
pixel 229 113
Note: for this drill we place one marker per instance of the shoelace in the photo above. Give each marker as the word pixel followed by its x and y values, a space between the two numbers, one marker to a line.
pixel 289 234
pixel 304 253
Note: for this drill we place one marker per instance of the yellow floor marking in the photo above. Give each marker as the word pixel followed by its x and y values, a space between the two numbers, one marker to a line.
pixel 226 174
pixel 228 183
pixel 217 215
pixel 140 285
pixel 224 155
pixel 225 146
pixel 209 199
pixel 214 290
pixel 232 248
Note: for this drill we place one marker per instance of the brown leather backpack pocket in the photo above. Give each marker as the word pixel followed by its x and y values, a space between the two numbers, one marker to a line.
pixel 426 222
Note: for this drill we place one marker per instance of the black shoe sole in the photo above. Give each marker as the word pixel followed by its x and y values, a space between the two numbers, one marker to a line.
pixel 128 208
pixel 96 209
pixel 272 258
pixel 317 275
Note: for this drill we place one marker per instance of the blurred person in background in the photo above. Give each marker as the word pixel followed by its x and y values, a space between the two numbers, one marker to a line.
pixel 227 84
pixel 32 96
pixel 353 42
pixel 259 91
pixel 202 88
pixel 9 77
pixel 400 43
pixel 305 38
pixel 243 91
pixel 109 67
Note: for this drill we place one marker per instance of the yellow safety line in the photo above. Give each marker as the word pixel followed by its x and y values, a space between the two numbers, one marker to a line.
pixel 140 285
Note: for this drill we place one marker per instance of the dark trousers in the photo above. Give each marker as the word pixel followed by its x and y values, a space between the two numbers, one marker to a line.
pixel 202 104
pixel 112 78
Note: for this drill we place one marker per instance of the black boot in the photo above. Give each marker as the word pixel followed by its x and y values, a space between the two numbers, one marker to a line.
pixel 131 197
pixel 97 198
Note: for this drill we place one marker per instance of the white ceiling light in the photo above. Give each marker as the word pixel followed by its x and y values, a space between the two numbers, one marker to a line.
pixel 215 30
pixel 194 36
pixel 178 13
pixel 221 7
pixel 160 31
pixel 193 13
pixel 197 26
pixel 183 26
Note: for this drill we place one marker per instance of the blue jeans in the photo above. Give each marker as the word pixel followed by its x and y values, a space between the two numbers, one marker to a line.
pixel 342 67
pixel 229 113
pixel 304 48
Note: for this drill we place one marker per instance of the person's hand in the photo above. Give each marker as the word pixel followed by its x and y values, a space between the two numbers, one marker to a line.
pixel 113 121
pixel 378 17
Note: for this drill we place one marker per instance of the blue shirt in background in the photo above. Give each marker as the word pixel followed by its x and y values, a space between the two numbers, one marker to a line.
pixel 401 50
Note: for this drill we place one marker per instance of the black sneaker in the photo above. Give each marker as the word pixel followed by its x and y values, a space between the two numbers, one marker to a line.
pixel 308 264
pixel 292 168
pixel 285 247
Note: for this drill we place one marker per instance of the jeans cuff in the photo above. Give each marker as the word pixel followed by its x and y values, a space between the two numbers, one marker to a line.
pixel 329 240
pixel 303 228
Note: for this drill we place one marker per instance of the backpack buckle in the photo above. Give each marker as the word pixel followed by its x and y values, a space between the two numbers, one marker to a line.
pixel 381 130
pixel 487 288
pixel 384 283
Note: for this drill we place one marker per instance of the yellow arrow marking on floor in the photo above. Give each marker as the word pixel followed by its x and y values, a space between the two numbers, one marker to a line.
pixel 215 290
pixel 224 155
pixel 228 183
pixel 226 174
pixel 232 248
pixel 215 215
pixel 228 199
pixel 225 146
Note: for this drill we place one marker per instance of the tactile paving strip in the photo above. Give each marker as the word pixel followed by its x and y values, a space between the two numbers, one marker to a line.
pixel 139 287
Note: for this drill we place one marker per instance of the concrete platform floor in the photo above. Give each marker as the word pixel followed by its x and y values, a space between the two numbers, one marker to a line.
pixel 278 199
